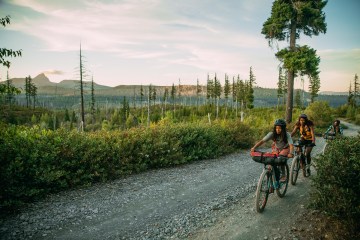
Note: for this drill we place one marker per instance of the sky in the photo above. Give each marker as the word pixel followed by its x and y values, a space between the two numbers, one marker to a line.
pixel 165 42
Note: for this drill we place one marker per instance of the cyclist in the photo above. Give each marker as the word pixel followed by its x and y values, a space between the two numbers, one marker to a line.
pixel 282 143
pixel 334 130
pixel 307 135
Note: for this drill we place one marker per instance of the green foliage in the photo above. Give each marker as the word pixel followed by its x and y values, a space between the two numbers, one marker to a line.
pixel 307 16
pixel 303 61
pixel 5 53
pixel 36 161
pixel 337 181
pixel 320 112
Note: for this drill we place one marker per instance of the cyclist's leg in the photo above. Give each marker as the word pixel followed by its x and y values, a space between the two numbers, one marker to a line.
pixel 308 154
pixel 284 152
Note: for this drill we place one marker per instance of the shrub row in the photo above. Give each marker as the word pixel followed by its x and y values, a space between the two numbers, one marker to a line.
pixel 337 181
pixel 35 162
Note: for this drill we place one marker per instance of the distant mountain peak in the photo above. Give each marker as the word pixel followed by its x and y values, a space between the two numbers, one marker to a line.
pixel 41 78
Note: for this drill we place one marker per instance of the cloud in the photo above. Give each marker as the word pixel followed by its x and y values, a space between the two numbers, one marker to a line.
pixel 53 72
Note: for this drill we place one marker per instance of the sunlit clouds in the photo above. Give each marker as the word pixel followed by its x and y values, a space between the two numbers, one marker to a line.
pixel 152 41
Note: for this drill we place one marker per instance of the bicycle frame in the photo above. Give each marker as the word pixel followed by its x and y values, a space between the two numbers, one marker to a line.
pixel 268 182
pixel 299 162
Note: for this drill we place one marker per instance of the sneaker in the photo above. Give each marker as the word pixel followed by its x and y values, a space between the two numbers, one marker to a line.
pixel 283 179
pixel 308 170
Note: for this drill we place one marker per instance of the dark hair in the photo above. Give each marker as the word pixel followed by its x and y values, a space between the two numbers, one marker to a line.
pixel 308 122
pixel 337 122
pixel 283 134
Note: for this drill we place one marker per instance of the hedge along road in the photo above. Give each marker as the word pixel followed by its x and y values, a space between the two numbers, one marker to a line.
pixel 212 199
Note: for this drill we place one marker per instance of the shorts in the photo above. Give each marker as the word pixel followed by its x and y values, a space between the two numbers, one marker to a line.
pixel 305 142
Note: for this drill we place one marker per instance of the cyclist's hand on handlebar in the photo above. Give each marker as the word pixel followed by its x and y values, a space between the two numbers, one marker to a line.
pixel 252 149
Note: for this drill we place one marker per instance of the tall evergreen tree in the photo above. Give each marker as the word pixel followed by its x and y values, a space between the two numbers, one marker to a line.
pixel 226 92
pixel 173 94
pixel 82 109
pixel 198 92
pixel 234 91
pixel 356 92
pixel 92 104
pixel 314 87
pixel 165 98
pixel 33 93
pixel 250 90
pixel 288 19
pixel 28 82
pixel 217 94
pixel 141 100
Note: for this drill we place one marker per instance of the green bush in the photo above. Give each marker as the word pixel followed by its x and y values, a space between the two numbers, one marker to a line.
pixel 337 181
pixel 320 112
pixel 35 162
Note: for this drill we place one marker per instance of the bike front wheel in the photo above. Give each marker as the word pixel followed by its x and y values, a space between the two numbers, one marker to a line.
pixel 294 170
pixel 281 190
pixel 262 191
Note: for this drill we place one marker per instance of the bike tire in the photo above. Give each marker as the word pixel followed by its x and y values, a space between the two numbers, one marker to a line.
pixel 262 191
pixel 294 170
pixel 305 172
pixel 303 166
pixel 281 191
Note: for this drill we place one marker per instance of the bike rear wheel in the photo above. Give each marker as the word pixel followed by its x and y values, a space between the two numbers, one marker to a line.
pixel 294 170
pixel 262 191
pixel 283 185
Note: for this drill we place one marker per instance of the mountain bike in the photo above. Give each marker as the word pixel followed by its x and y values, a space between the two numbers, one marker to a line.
pixel 299 162
pixel 270 177
pixel 329 137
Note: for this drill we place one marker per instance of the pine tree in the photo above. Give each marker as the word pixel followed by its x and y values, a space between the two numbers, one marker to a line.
pixel 173 94
pixel 92 106
pixel 217 94
pixel 198 92
pixel 250 90
pixel 288 19
pixel 356 89
pixel 226 92
pixel 82 110
pixel 28 81
pixel 165 98
pixel 314 87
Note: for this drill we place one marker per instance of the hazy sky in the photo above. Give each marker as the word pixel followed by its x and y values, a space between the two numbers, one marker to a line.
pixel 162 41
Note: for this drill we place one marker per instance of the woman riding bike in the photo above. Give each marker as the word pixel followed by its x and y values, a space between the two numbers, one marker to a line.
pixel 334 130
pixel 307 135
pixel 282 143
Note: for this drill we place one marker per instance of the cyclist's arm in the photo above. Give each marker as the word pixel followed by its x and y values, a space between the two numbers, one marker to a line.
pixel 258 144
pixel 328 130
pixel 341 130
pixel 262 141
pixel 312 134
pixel 294 131
pixel 291 150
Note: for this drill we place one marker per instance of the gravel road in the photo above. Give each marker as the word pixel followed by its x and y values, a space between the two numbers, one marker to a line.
pixel 210 199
